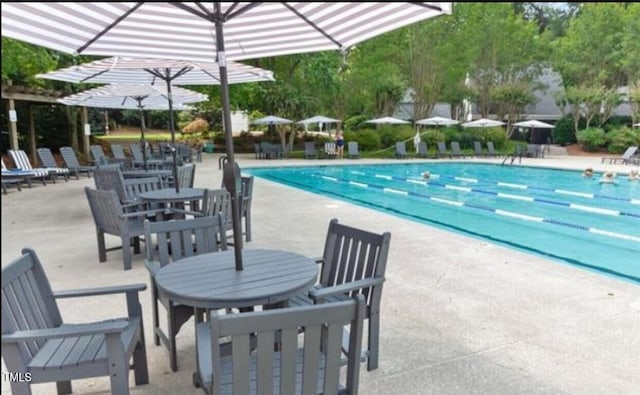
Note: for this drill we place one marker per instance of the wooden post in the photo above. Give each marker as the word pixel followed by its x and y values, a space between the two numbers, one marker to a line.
pixel 13 124
pixel 85 137
pixel 32 137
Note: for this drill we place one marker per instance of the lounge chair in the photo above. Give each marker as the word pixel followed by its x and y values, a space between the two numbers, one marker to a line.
pixel 455 150
pixel 71 161
pixel 626 158
pixel 491 151
pixel 118 154
pixel 477 149
pixel 352 150
pixel 401 150
pixel 22 162
pixel 37 342
pixel 23 175
pixel 330 150
pixel 139 159
pixel 49 163
pixel 310 150
pixel 442 150
pixel 422 150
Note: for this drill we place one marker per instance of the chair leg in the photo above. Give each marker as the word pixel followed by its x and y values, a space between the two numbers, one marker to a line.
pixel 173 357
pixel 126 253
pixel 140 369
pixel 156 316
pixel 374 334
pixel 118 365
pixel 102 249
pixel 64 387
pixel 247 224
pixel 20 388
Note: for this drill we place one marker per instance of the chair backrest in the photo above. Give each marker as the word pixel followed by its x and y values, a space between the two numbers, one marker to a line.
pixel 69 157
pixel 330 149
pixel 352 148
pixel 20 159
pixel 98 154
pixel 133 187
pixel 118 151
pixel 246 194
pixel 455 147
pixel 106 210
pixel 477 147
pixel 490 148
pixel 27 304
pixel 110 178
pixel 177 239
pixel 136 152
pixel 629 152
pixel 309 147
pixel 442 147
pixel 311 365
pixel 186 175
pixel 4 168
pixel 217 202
pixel 352 254
pixel 46 157
pixel 422 148
pixel 401 148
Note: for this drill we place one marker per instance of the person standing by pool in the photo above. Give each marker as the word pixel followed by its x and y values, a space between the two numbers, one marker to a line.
pixel 340 144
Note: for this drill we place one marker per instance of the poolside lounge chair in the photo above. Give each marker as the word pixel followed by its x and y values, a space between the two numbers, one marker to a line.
pixel 354 262
pixel 401 150
pixel 23 175
pixel 310 150
pixel 455 150
pixel 442 149
pixel 71 161
pixel 6 181
pixel 422 150
pixel 352 150
pixel 118 154
pixel 49 163
pixel 330 150
pixel 477 149
pixel 36 341
pixel 491 151
pixel 138 158
pixel 166 244
pixel 22 162
pixel 297 366
pixel 626 158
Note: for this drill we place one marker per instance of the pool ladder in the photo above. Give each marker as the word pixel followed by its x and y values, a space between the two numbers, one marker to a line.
pixel 512 158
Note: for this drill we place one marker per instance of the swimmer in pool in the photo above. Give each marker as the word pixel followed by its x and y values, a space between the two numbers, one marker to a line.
pixel 588 172
pixel 426 175
pixel 608 178
pixel 634 175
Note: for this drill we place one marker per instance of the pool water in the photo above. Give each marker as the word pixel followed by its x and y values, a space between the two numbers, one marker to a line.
pixel 554 213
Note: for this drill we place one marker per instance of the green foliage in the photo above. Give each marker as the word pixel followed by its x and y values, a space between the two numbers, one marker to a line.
pixel 390 134
pixel 22 61
pixel 591 138
pixel 368 139
pixel 356 122
pixel 619 139
pixel 563 133
pixel 432 136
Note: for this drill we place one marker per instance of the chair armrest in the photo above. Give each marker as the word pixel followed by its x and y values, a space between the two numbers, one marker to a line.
pixel 184 212
pixel 98 328
pixel 142 213
pixel 152 267
pixel 100 291
pixel 323 293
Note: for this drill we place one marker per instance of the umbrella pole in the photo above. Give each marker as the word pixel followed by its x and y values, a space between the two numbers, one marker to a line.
pixel 230 167
pixel 172 128
pixel 142 129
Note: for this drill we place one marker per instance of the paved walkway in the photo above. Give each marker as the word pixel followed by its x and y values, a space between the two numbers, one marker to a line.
pixel 459 315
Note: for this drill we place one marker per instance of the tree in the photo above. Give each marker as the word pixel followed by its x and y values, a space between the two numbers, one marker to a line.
pixel 511 100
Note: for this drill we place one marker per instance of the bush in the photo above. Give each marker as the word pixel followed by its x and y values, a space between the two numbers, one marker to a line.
pixel 390 134
pixel 591 138
pixel 197 126
pixel 496 134
pixel 432 137
pixel 368 140
pixel 618 140
pixel 563 132
pixel 356 122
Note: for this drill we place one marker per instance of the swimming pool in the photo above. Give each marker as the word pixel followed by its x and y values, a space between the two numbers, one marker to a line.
pixel 554 213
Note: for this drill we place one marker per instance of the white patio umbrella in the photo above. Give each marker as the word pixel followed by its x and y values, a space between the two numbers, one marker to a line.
pixel 194 30
pixel 140 97
pixel 437 121
pixel 636 125
pixel 319 119
pixel 483 123
pixel 534 124
pixel 271 120
pixel 388 120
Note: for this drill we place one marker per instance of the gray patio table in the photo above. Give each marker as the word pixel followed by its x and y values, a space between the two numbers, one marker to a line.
pixel 146 173
pixel 169 198
pixel 211 281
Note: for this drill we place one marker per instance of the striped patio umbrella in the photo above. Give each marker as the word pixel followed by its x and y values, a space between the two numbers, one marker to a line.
pixel 203 31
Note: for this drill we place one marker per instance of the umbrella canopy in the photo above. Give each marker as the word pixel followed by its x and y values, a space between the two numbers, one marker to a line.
pixel 207 30
pixel 318 119
pixel 534 124
pixel 437 121
pixel 636 125
pixel 271 120
pixel 132 97
pixel 388 120
pixel 483 123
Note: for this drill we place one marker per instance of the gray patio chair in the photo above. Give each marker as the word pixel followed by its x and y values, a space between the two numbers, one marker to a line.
pixel 310 150
pixel 175 240
pixel 401 150
pixel 491 151
pixel 455 150
pixel 110 218
pixel 626 158
pixel 353 263
pixel 352 150
pixel 138 158
pixel 477 149
pixel 422 150
pixel 49 163
pixel 101 159
pixel 442 150
pixel 118 154
pixel 72 163
pixel 218 202
pixel 37 342
pixel 246 199
pixel 308 366
pixel 186 176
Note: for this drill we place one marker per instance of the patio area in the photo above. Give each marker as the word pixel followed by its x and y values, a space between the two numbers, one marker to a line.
pixel 459 315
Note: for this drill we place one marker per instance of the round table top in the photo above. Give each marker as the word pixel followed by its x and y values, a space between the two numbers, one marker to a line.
pixel 211 281
pixel 145 173
pixel 170 195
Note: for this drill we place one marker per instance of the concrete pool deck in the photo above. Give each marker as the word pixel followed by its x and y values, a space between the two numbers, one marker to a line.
pixel 459 315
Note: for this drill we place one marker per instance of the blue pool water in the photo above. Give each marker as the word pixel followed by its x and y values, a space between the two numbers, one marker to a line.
pixel 554 213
